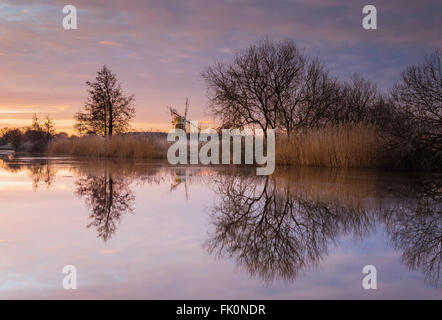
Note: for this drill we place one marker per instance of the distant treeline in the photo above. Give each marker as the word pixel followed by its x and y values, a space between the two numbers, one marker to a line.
pixel 34 138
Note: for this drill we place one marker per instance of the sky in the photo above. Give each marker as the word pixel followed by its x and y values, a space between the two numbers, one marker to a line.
pixel 159 49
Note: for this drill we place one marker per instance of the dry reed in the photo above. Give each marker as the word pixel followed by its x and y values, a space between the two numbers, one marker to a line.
pixel 123 147
pixel 340 147
pixel 343 147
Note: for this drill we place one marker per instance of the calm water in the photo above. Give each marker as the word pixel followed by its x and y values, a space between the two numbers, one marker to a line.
pixel 144 230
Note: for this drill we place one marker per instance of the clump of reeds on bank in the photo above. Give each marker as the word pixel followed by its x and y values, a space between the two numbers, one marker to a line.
pixel 339 146
pixel 123 147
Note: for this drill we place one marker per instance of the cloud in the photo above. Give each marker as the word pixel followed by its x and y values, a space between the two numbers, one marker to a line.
pixel 109 43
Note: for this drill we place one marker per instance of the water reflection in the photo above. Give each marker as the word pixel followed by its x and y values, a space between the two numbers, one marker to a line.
pixel 276 230
pixel 275 227
pixel 42 176
pixel 179 177
pixel 106 190
pixel 108 199
pixel 278 226
pixel 415 228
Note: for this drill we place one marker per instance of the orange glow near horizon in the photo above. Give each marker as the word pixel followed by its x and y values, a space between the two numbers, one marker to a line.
pixel 66 125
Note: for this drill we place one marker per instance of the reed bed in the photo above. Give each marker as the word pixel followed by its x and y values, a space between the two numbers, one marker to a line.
pixel 122 147
pixel 340 147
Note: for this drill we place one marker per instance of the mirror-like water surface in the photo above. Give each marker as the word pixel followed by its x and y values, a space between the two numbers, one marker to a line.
pixel 150 231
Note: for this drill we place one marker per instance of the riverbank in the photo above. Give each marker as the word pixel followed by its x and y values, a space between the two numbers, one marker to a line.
pixel 342 147
pixel 151 146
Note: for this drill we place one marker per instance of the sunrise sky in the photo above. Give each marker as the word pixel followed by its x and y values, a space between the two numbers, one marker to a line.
pixel 159 49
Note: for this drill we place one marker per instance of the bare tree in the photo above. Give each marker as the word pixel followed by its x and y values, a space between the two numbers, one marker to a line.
pixel 321 97
pixel 107 110
pixel 359 98
pixel 419 92
pixel 46 125
pixel 248 90
pixel 271 85
pixel 418 100
pixel 14 137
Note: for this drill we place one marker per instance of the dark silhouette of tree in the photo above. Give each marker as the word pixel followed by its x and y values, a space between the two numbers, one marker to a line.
pixel 108 199
pixel 360 101
pixel 418 99
pixel 46 125
pixel 14 137
pixel 320 96
pixel 107 110
pixel 34 138
pixel 276 86
pixel 38 135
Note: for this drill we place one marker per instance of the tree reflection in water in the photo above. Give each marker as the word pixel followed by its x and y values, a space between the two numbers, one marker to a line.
pixel 415 229
pixel 108 194
pixel 108 199
pixel 40 171
pixel 273 232
pixel 275 229
pixel 43 175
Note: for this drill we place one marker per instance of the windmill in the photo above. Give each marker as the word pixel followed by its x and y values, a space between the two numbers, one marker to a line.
pixel 179 121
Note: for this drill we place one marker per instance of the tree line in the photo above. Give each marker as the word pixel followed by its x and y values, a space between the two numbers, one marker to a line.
pixel 33 138
pixel 275 85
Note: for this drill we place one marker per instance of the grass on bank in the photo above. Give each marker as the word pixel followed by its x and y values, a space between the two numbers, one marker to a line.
pixel 344 147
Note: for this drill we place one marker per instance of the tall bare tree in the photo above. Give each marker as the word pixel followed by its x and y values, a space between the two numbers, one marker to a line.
pixel 271 85
pixel 321 95
pixel 359 98
pixel 107 109
pixel 419 91
pixel 248 90
pixel 418 100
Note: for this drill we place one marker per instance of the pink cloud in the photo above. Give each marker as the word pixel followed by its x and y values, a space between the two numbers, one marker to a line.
pixel 109 43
